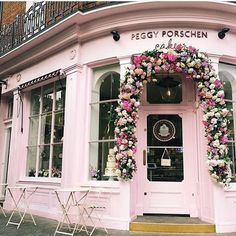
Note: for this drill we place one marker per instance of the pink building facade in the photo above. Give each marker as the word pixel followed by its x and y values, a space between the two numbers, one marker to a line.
pixel 57 111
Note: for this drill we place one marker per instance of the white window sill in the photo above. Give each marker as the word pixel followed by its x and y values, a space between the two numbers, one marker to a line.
pixel 231 188
pixel 41 182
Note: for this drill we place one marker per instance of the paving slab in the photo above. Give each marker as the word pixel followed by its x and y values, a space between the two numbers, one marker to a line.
pixel 46 227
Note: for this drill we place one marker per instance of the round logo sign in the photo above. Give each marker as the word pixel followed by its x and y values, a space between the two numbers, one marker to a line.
pixel 164 130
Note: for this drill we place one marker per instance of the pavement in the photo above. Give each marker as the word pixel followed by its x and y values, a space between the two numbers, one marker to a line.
pixel 46 227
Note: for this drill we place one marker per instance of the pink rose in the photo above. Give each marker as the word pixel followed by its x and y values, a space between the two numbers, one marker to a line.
pixel 171 56
pixel 137 60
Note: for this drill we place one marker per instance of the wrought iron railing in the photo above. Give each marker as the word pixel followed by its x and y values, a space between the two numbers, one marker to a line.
pixel 39 17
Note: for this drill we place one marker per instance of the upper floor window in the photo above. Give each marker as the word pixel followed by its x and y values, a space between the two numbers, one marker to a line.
pixel 45 145
pixel 105 90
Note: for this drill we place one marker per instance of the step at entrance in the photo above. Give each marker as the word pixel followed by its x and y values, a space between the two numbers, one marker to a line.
pixel 171 224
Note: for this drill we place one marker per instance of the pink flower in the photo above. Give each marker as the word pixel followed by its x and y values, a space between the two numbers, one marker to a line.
pixel 224 139
pixel 205 123
pixel 191 49
pixel 209 137
pixel 189 77
pixel 137 60
pixel 179 47
pixel 211 103
pixel 217 83
pixel 127 105
pixel 171 56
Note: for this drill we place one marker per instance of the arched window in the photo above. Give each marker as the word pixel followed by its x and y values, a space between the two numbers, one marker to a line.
pixel 227 75
pixel 105 91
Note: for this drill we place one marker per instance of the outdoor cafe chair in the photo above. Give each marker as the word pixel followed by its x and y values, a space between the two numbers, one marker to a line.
pixel 68 199
pixel 98 203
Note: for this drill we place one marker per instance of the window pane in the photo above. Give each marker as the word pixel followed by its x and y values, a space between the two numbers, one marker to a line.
pixel 110 87
pixel 60 94
pixel 166 90
pixel 46 123
pixel 231 146
pixel 33 135
pixel 107 116
pixel 35 101
pixel 58 127
pixel 99 153
pixel 57 160
pixel 231 130
pixel 31 161
pixel 47 98
pixel 44 161
pixel 227 89
pixel 10 108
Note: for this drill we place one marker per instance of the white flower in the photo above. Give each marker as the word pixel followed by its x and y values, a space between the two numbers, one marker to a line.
pixel 118 156
pixel 117 130
pixel 200 85
pixel 190 70
pixel 217 114
pixel 212 86
pixel 216 143
pixel 118 172
pixel 130 80
pixel 137 104
pixel 212 79
pixel 124 112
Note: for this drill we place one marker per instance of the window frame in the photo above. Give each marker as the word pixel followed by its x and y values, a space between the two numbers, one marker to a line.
pixel 98 75
pixel 53 112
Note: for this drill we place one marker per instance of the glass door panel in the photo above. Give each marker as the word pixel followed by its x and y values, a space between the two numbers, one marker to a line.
pixel 164 148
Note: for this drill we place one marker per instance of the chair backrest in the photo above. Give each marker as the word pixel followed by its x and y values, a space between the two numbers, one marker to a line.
pixel 99 197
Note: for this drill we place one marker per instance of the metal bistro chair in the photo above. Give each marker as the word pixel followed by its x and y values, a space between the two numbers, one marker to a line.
pixel 1 200
pixel 68 199
pixel 98 203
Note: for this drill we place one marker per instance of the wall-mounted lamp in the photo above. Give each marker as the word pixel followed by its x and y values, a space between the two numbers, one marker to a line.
pixel 222 33
pixel 116 35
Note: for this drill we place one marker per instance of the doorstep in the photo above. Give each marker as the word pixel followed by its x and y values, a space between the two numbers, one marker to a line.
pixel 171 224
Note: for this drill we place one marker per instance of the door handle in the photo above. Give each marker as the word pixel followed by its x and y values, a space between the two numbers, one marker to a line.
pixel 144 157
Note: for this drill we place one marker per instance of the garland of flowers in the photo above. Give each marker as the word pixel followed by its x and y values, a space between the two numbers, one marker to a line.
pixel 195 66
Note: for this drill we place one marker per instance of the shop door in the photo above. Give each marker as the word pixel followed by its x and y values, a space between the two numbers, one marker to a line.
pixel 164 163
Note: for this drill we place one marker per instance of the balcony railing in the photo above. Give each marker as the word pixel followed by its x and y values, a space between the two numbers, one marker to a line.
pixel 39 17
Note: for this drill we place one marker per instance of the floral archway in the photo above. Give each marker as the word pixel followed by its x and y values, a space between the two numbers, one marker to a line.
pixel 194 65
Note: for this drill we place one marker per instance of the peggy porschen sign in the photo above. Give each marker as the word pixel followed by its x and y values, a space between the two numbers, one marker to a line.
pixel 168 34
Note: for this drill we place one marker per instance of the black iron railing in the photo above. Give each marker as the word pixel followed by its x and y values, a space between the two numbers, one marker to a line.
pixel 39 17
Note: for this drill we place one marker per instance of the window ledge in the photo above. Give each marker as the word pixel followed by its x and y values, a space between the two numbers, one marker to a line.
pixel 112 185
pixel 231 188
pixel 41 182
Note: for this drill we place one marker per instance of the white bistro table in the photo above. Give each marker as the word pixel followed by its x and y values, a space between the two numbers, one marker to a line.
pixel 69 198
pixel 21 196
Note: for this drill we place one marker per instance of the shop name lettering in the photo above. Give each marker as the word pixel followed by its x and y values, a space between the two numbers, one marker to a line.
pixel 169 34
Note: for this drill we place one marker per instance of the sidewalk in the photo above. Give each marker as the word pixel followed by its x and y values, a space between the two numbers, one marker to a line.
pixel 46 227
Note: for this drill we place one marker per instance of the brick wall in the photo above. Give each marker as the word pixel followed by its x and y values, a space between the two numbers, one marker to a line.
pixel 10 10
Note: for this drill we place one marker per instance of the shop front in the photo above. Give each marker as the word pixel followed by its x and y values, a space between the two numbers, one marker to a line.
pixel 126 112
